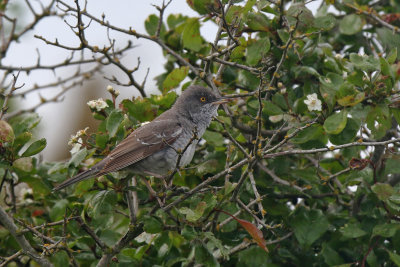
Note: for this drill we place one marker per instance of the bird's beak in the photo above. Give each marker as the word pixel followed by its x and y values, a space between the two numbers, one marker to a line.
pixel 221 100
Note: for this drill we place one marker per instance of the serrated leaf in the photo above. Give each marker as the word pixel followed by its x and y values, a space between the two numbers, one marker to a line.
pixel 174 78
pixel 35 148
pixel 335 123
pixel 113 122
pixel 191 37
pixel 140 109
pixel 78 157
pixel 352 230
pixel 256 51
pixel 151 25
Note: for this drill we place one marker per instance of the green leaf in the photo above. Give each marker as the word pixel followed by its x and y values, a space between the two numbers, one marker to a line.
pixel 270 109
pixel 365 63
pixel 152 225
pixel 174 20
pixel 351 24
pixel 348 134
pixel 151 24
pixel 78 157
pixel 204 257
pixel 213 138
pixel 335 123
pixel 203 6
pixel 256 51
pixel 325 22
pixel 194 215
pixel 351 100
pixel 386 230
pixel 257 21
pixel 330 255
pixel 164 101
pixel 379 120
pixel 25 123
pixel 307 134
pixel 395 258
pixel 191 37
pixel 388 38
pixel 298 14
pixel 140 109
pixel 386 68
pixel 103 203
pixel 309 225
pixel 21 140
pixel 234 12
pixel 174 78
pixel 253 256
pixel 35 148
pixel 58 210
pixel 113 122
pixel 392 56
pixel 383 191
pixel 352 230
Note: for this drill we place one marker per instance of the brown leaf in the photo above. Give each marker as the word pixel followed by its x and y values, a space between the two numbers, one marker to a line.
pixel 358 164
pixel 255 233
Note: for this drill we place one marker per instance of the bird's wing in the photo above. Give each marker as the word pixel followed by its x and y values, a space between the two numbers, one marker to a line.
pixel 143 142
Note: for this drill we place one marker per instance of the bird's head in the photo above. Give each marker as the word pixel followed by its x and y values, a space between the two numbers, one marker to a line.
pixel 199 103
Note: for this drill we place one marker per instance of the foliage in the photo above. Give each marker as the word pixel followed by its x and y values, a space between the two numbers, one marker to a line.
pixel 314 186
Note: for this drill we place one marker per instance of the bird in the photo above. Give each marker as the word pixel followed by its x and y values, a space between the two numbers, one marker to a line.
pixel 154 148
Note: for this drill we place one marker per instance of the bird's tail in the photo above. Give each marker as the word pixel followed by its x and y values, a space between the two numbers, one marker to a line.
pixel 93 171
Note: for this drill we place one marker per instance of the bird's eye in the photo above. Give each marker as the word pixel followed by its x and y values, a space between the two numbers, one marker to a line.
pixel 202 99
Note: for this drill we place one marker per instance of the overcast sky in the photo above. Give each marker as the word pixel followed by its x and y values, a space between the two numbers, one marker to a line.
pixel 57 119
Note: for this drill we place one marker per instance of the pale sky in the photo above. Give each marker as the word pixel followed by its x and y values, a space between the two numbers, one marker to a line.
pixel 57 119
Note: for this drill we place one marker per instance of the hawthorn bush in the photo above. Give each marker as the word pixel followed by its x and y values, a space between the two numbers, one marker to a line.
pixel 300 169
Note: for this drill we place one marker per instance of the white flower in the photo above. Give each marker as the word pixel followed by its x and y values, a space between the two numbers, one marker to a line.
pixel 98 104
pixel 112 90
pixel 76 145
pixel 313 103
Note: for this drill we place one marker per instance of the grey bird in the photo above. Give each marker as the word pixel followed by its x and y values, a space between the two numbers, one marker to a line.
pixel 153 149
